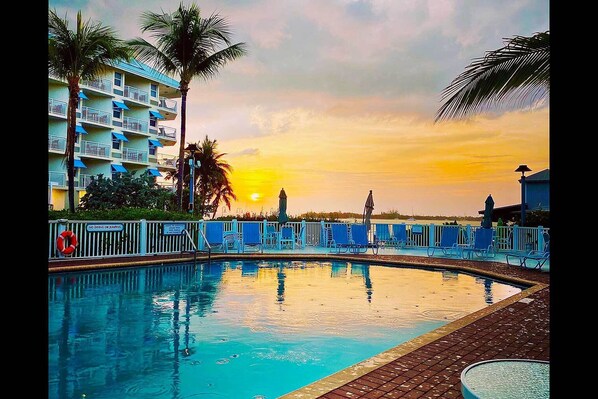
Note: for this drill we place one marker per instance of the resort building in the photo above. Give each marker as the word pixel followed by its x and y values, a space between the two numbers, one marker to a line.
pixel 119 127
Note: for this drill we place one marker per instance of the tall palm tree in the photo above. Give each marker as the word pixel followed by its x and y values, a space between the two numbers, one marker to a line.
pixel 187 45
pixel 75 55
pixel 516 74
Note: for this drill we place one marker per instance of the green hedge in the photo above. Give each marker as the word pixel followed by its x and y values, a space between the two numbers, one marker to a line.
pixel 121 214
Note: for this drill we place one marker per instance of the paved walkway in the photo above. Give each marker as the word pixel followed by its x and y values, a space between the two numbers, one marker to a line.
pixel 430 366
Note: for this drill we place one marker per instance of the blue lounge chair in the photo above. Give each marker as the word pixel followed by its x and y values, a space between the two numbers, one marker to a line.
pixel 382 233
pixel 534 257
pixel 252 237
pixel 286 237
pixel 448 244
pixel 215 235
pixel 340 237
pixel 482 244
pixel 399 235
pixel 359 236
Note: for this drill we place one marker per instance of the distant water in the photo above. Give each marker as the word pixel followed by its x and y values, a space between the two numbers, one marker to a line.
pixel 418 221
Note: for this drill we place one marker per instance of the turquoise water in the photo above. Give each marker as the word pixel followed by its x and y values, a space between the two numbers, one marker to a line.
pixel 248 329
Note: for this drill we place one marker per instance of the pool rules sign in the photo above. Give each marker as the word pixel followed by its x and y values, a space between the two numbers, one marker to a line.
pixel 104 227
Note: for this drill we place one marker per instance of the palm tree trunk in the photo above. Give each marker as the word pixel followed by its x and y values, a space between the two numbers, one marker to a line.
pixel 70 140
pixel 184 89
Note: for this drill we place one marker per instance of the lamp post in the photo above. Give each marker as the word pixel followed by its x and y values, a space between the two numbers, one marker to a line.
pixel 192 148
pixel 523 169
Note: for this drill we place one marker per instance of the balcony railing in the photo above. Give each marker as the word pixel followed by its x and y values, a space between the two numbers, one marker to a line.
pixel 56 107
pixel 57 177
pixel 95 149
pixel 134 124
pixel 104 85
pixel 135 94
pixel 84 180
pixel 168 104
pixel 167 132
pixel 134 155
pixel 56 143
pixel 96 116
pixel 167 161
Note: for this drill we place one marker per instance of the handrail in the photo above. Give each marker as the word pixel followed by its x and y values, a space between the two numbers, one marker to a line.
pixel 205 239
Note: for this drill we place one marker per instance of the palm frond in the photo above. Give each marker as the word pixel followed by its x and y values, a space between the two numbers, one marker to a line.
pixel 516 74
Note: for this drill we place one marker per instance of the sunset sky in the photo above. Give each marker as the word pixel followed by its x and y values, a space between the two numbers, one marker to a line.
pixel 336 98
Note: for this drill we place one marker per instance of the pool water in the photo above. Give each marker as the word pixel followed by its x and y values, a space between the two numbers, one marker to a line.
pixel 242 329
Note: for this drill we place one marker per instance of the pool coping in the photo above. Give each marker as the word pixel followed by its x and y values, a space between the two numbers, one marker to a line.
pixel 345 376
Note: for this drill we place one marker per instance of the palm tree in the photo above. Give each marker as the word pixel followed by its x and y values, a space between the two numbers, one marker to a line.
pixel 516 74
pixel 75 55
pixel 187 46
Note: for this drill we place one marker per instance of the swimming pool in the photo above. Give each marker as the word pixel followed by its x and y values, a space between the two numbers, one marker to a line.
pixel 241 329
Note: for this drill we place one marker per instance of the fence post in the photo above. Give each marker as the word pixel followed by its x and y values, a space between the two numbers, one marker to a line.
pixel 200 239
pixel 515 238
pixel 432 235
pixel 323 235
pixel 265 238
pixel 540 239
pixel 61 227
pixel 303 233
pixel 468 234
pixel 143 237
pixel 235 226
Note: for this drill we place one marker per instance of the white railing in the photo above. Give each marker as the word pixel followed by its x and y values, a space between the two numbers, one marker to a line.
pixel 104 85
pixel 135 125
pixel 84 180
pixel 96 116
pixel 134 155
pixel 136 94
pixel 95 149
pixel 146 238
pixel 167 161
pixel 56 143
pixel 167 132
pixel 57 177
pixel 56 107
pixel 168 104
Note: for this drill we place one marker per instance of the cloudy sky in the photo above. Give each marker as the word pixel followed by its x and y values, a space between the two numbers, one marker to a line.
pixel 338 97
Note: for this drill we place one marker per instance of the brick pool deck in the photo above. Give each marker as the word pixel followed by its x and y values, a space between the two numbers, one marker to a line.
pixel 428 366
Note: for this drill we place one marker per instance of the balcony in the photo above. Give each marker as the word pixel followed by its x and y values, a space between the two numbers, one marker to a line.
pixel 58 178
pixel 92 115
pixel 167 104
pixel 57 108
pixel 167 162
pixel 130 155
pixel 103 86
pixel 135 125
pixel 166 132
pixel 83 181
pixel 57 144
pixel 140 96
pixel 94 149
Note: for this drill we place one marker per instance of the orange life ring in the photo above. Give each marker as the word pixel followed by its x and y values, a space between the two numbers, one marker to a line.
pixel 61 240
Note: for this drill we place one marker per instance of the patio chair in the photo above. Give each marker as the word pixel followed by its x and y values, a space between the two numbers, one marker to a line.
pixel 340 237
pixel 535 257
pixel 252 237
pixel 448 245
pixel 286 237
pixel 382 233
pixel 299 238
pixel 399 235
pixel 215 235
pixel 270 237
pixel 359 236
pixel 482 244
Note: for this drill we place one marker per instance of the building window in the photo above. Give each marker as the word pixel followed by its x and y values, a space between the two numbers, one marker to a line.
pixel 115 143
pixel 118 79
pixel 115 175
pixel 77 138
pixel 154 90
pixel 116 112
pixel 152 149
pixel 153 121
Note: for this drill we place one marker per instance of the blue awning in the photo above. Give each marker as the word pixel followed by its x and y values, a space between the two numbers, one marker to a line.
pixel 156 143
pixel 83 96
pixel 120 105
pixel 119 136
pixel 118 168
pixel 154 172
pixel 79 164
pixel 79 129
pixel 156 114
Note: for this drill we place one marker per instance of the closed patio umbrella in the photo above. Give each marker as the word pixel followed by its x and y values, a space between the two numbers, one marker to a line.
pixel 487 220
pixel 282 207
pixel 367 211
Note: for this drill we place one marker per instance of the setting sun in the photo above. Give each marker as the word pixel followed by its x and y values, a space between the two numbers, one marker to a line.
pixel 254 196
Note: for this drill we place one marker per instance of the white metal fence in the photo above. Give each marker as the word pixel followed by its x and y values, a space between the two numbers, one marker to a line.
pixel 141 237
